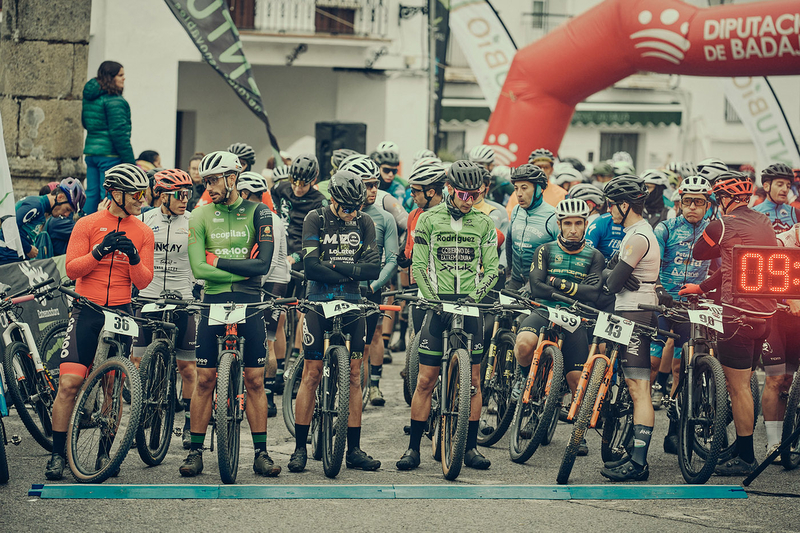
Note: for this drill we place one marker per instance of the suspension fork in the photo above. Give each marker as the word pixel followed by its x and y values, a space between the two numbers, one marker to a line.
pixel 604 385
pixel 580 390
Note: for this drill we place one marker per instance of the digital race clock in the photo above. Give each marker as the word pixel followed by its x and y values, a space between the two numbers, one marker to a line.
pixel 766 271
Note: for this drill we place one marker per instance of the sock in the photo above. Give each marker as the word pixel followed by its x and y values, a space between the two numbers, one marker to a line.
pixel 353 438
pixel 60 443
pixel 301 435
pixel 744 448
pixel 375 373
pixel 187 404
pixel 280 364
pixel 774 428
pixel 197 441
pixel 661 379
pixel 269 384
pixel 641 443
pixel 295 352
pixel 417 428
pixel 386 337
pixel 260 442
pixel 472 434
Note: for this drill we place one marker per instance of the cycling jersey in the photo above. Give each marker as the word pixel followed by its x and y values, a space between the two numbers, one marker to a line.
pixel 790 237
pixel 413 218
pixel 31 213
pixel 241 236
pixel 205 199
pixel 293 210
pixel 529 228
pixel 396 188
pixel 551 260
pixel 279 269
pixel 454 257
pixel 108 281
pixel 338 255
pixel 782 216
pixel 639 249
pixel 390 204
pixel 171 257
pixel 552 195
pixel 604 235
pixel 386 239
pixel 676 237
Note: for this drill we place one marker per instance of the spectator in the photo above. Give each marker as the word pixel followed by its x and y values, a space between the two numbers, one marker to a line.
pixel 107 119
pixel 197 183
pixel 148 160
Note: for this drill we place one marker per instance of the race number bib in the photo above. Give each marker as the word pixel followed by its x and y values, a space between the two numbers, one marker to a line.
pixel 568 321
pixel 223 314
pixel 337 307
pixel 711 317
pixel 121 325
pixel 613 328
pixel 155 308
pixel 464 310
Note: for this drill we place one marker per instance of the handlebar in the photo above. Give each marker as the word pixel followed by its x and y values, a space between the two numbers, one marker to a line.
pixel 297 274
pixel 27 290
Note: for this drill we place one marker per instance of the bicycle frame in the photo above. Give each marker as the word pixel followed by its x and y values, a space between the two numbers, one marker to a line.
pixel 544 333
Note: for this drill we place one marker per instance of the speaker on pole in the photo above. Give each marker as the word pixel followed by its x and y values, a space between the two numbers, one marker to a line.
pixel 334 135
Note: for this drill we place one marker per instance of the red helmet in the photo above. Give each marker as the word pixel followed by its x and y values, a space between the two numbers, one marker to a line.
pixel 733 184
pixel 170 180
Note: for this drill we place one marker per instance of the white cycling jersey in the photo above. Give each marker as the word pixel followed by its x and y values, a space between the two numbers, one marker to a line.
pixel 639 248
pixel 171 270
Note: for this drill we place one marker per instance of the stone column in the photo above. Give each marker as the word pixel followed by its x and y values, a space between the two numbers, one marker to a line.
pixel 44 46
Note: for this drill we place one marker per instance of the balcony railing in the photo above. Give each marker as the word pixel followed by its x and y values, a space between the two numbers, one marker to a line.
pixel 361 18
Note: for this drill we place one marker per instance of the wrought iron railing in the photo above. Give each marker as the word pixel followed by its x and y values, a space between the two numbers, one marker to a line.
pixel 363 18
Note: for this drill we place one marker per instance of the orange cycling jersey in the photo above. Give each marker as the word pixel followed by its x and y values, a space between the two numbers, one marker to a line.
pixel 108 281
pixel 266 198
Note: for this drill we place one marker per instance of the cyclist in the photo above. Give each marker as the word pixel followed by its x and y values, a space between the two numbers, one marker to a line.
pixel 386 238
pixel 448 272
pixel 602 174
pixel 231 243
pixel 494 211
pixel 737 225
pixel 387 157
pixel 632 278
pixel 65 199
pixel 108 252
pixel 777 182
pixel 593 197
pixel 566 176
pixel 197 183
pixel 605 235
pixel 552 193
pixel 676 237
pixel 340 251
pixel 170 226
pixel 570 266
pixel 656 207
pixel 711 168
pixel 533 222
pixel 503 188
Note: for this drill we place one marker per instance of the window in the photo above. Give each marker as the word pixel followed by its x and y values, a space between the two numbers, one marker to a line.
pixel 731 116
pixel 610 143
pixel 538 14
pixel 243 13
pixel 335 16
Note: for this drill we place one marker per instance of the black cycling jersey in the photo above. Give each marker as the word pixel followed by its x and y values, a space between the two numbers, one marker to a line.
pixel 293 210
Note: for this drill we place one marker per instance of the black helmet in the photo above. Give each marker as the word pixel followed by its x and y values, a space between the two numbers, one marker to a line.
pixel 304 168
pixel 244 151
pixel 347 189
pixel 530 172
pixel 465 176
pixel 777 171
pixel 385 157
pixel 626 188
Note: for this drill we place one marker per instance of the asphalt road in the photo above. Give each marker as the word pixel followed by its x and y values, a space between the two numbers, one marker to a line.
pixel 383 438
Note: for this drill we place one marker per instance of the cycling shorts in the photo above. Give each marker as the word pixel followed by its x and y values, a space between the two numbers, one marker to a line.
pixel 80 344
pixel 635 358
pixel 253 330
pixel 430 340
pixel 374 319
pixel 315 325
pixel 271 316
pixel 684 329
pixel 742 350
pixel 576 344
pixel 781 350
pixel 187 334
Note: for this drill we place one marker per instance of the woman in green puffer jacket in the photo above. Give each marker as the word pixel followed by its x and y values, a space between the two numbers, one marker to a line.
pixel 107 119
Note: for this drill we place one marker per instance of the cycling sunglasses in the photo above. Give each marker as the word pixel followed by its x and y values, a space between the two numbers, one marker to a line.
pixel 180 195
pixel 299 183
pixel 389 170
pixel 699 202
pixel 348 209
pixel 465 196
pixel 138 195
pixel 371 185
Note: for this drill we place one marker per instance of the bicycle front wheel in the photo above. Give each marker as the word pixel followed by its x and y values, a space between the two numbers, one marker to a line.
pixel 157 371
pixel 32 393
pixel 291 379
pixel 455 413
pixel 336 409
pixel 498 409
pixel 790 457
pixel 102 426
pixel 229 415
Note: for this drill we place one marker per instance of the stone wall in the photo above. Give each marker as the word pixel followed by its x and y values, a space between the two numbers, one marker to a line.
pixel 44 46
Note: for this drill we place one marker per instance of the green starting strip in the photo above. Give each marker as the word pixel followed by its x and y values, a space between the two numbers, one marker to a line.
pixel 390 492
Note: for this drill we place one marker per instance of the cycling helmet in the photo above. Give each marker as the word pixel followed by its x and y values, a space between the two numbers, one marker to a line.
pixel 305 168
pixel 531 173
pixel 73 190
pixel 171 179
pixel 425 161
pixel 673 178
pixel 388 146
pixel 588 193
pixel 626 188
pixel 695 185
pixel 733 184
pixel 347 189
pixel 575 162
pixel 572 207
pixel 623 168
pixel 711 168
pixel 220 163
pixel 502 173
pixel 428 174
pixel 655 177
pixel 541 153
pixel 688 169
pixel 252 182
pixel 482 154
pixel 424 153
pixel 280 173
pixel 385 157
pixel 363 167
pixel 777 171
pixel 465 176
pixel 126 177
pixel 244 151
pixel 565 173
pixel 676 196
pixel 622 157
pixel 339 155
pixel 603 169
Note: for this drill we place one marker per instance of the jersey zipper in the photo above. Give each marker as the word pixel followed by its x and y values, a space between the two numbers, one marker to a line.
pixel 111 268
pixel 166 252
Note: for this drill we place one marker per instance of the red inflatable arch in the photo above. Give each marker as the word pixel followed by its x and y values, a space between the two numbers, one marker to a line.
pixel 618 38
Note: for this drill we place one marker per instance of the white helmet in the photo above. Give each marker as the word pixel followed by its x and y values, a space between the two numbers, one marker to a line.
pixel 588 192
pixel 572 207
pixel 623 168
pixel 565 173
pixel 126 178
pixel 424 153
pixel 220 163
pixel 425 161
pixel 280 173
pixel 482 154
pixel 428 174
pixel 711 168
pixel 252 182
pixel 363 167
pixel 655 177
pixel 695 185
pixel 623 157
pixel 388 146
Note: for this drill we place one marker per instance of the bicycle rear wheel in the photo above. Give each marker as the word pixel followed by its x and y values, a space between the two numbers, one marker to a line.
pixel 455 411
pixel 157 372
pixel 102 424
pixel 408 392
pixel 3 457
pixel 498 409
pixel 582 420
pixel 533 420
pixel 230 412
pixel 617 426
pixel 50 343
pixel 336 402
pixel 292 379
pixel 32 393
pixel 790 457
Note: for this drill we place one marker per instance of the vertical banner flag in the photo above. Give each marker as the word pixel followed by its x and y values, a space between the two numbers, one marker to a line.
pixel 442 24
pixel 209 24
pixel 9 236
pixel 485 42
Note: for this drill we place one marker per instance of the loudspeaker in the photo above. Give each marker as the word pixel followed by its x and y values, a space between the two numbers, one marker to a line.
pixel 334 135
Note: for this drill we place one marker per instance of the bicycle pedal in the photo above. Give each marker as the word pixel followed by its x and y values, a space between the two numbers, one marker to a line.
pixel 15 440
pixel 177 431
